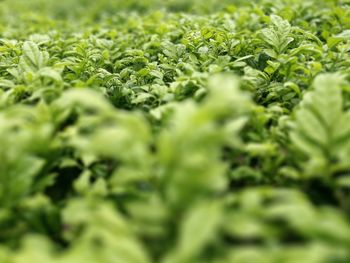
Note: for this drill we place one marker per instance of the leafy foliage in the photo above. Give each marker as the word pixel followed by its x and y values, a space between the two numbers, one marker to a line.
pixel 174 131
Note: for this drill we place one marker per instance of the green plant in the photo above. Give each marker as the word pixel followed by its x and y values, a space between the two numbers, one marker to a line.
pixel 174 131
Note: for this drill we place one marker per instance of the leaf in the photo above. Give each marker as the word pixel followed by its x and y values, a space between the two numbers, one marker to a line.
pixel 141 98
pixel 317 129
pixel 4 83
pixel 199 227
pixel 50 73
pixel 278 35
pixel 32 58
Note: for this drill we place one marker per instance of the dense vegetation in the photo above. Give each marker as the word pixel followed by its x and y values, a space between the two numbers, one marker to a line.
pixel 174 131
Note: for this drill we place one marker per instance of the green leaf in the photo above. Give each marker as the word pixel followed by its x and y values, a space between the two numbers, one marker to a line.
pixel 32 58
pixel 318 132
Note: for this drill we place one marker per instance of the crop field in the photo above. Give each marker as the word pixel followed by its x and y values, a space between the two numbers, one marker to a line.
pixel 174 131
